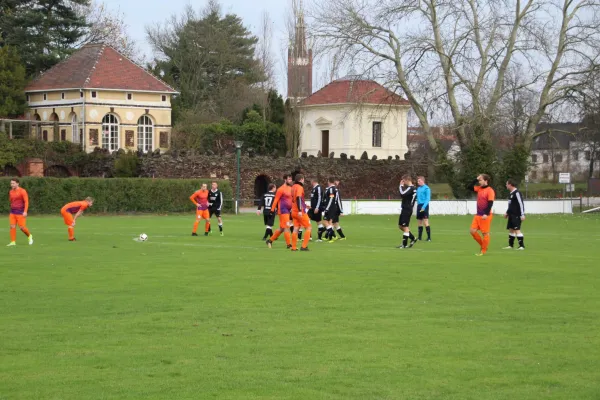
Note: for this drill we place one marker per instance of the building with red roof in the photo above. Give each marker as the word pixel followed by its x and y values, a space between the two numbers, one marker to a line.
pixel 353 115
pixel 100 98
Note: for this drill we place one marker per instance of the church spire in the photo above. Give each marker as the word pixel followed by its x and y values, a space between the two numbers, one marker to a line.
pixel 300 58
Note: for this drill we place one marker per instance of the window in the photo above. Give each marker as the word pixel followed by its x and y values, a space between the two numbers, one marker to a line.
pixel 145 133
pixel 545 158
pixel 376 134
pixel 129 96
pixel 575 156
pixel 81 93
pixel 110 132
pixel 588 156
pixel 45 136
pixel 94 95
pixel 558 158
pixel 62 96
pixel 534 158
pixel 164 98
pixel 63 135
pixel 74 129
pixel 45 97
pixel 27 97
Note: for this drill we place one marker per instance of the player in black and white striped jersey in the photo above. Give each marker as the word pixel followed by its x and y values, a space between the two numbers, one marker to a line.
pixel 316 211
pixel 515 214
pixel 408 193
pixel 268 215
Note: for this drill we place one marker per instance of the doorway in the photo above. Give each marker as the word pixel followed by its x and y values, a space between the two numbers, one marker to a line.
pixel 325 143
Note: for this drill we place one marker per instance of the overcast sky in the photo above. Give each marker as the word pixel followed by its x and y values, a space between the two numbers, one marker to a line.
pixel 141 13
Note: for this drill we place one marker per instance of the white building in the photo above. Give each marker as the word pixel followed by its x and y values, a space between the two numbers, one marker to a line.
pixel 351 116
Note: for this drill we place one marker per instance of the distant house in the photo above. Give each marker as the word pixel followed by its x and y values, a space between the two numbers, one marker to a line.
pixel 100 98
pixel 352 115
pixel 561 148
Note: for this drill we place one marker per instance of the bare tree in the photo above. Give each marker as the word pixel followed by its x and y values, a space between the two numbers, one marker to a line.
pixel 452 57
pixel 109 27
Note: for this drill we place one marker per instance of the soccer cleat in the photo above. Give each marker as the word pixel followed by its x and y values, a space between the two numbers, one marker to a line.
pixel 194 234
pixel 412 243
pixel 304 249
pixel 205 233
pixel 222 234
pixel 521 248
pixel 401 247
pixel 319 240
pixel 340 239
pixel 72 240
pixel 30 239
pixel 11 244
pixel 428 240
pixel 479 254
pixel 289 246
pixel 507 248
pixel 264 238
pixel 335 238
pixel 294 249
pixel 269 243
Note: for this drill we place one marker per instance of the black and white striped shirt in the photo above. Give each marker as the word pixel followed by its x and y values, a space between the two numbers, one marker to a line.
pixel 316 197
pixel 515 204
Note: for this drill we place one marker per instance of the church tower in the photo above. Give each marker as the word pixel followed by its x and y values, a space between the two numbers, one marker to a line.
pixel 300 60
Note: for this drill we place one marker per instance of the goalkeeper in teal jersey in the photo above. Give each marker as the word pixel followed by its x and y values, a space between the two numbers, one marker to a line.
pixel 423 199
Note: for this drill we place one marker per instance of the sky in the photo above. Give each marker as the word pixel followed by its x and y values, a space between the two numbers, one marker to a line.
pixel 141 13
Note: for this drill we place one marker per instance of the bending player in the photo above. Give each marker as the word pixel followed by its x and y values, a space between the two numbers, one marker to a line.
pixel 77 208
pixel 19 205
pixel 269 218
pixel 482 222
pixel 299 214
pixel 283 205
pixel 200 200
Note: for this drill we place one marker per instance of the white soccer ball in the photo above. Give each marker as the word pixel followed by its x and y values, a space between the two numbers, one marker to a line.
pixel 143 237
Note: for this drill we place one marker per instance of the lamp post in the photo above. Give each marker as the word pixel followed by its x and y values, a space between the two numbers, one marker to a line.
pixel 238 151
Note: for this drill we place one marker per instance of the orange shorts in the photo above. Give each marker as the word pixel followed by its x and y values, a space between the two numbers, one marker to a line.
pixel 68 217
pixel 16 219
pixel 202 214
pixel 481 224
pixel 301 221
pixel 284 221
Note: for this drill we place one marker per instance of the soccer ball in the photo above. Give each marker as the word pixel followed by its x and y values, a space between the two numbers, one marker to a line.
pixel 143 237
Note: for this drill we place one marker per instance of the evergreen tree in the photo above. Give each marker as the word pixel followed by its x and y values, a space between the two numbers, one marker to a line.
pixel 12 83
pixel 44 32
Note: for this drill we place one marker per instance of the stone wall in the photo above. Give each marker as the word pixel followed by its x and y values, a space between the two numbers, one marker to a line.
pixel 363 179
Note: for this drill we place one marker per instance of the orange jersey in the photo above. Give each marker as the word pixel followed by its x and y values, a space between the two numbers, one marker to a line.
pixel 200 199
pixel 19 201
pixel 283 200
pixel 74 207
pixel 484 194
pixel 298 204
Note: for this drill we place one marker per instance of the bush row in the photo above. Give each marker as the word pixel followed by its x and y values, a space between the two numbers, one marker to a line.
pixel 115 195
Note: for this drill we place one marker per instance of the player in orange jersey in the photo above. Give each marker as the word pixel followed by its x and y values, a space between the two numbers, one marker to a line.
pixel 283 204
pixel 77 208
pixel 200 200
pixel 482 222
pixel 19 205
pixel 299 215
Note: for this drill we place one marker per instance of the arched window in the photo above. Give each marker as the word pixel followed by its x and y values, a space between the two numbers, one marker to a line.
pixel 145 133
pixel 74 129
pixel 110 132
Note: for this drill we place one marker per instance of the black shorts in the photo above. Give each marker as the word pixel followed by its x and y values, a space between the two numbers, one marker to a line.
pixel 424 214
pixel 318 217
pixel 332 216
pixel 269 218
pixel 404 219
pixel 214 212
pixel 514 222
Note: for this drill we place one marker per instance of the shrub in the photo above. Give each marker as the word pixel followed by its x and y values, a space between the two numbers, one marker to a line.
pixel 117 195
pixel 127 165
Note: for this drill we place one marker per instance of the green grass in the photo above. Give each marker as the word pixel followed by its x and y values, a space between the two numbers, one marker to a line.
pixel 180 317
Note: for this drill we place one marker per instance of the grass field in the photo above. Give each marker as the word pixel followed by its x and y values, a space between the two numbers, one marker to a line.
pixel 179 317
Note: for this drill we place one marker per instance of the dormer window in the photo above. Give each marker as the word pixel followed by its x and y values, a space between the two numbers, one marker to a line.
pixel 129 96
pixel 45 97
pixel 81 93
pixel 164 98
pixel 94 95
pixel 27 97
pixel 62 95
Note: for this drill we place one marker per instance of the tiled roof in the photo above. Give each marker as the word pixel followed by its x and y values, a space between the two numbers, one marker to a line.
pixel 98 66
pixel 357 91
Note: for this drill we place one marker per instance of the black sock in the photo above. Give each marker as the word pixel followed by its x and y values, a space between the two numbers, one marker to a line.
pixel 221 228
pixel 268 233
pixel 339 231
pixel 329 234
pixel 420 232
pixel 321 230
pixel 300 234
pixel 404 240
pixel 411 236
pixel 511 240
pixel 428 229
pixel 521 241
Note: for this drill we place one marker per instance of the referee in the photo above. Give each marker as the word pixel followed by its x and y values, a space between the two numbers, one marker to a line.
pixel 515 216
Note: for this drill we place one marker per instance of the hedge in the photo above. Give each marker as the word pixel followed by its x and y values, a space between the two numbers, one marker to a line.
pixel 114 195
